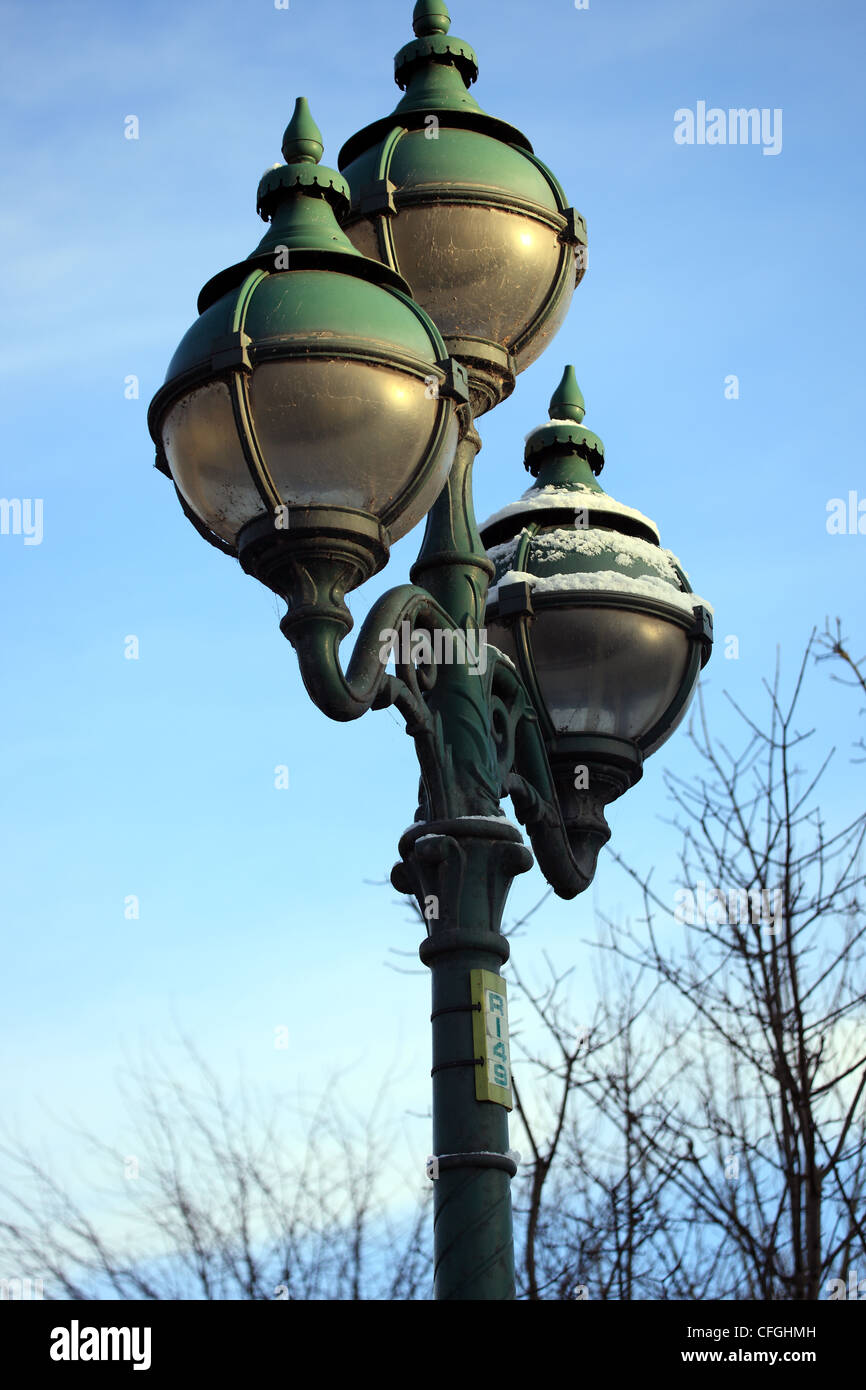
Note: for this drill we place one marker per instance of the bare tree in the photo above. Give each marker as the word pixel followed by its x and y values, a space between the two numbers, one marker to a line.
pixel 222 1199
pixel 767 1141
pixel 600 1217
pixel 834 647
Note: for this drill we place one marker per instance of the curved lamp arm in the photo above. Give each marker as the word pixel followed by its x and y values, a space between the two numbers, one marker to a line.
pixel 566 859
pixel 454 571
pixel 365 684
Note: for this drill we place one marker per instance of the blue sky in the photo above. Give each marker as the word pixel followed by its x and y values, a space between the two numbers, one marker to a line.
pixel 155 777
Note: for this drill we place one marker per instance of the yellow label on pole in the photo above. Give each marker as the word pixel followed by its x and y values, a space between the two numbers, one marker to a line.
pixel 490 1038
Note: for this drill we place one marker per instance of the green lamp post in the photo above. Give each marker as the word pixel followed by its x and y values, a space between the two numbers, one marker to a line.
pixel 315 411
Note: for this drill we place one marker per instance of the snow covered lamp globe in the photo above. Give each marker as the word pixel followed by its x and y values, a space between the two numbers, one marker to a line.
pixel 600 621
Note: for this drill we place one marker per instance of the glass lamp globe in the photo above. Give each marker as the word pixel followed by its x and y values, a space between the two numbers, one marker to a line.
pixel 312 393
pixel 457 202
pixel 599 620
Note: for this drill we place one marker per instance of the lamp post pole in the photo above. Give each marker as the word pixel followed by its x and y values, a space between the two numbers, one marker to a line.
pixel 460 866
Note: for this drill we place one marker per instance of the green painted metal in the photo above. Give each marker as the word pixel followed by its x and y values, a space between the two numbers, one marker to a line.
pixel 567 401
pixel 326 309
pixel 435 71
pixel 453 568
pixel 465 867
pixel 431 17
pixel 463 162
pixel 302 139
pixel 564 453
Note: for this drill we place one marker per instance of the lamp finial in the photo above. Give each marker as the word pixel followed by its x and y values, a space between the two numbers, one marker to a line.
pixel 431 17
pixel 302 142
pixel 567 401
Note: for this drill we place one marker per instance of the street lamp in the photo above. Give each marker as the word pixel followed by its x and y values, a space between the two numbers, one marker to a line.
pixel 458 202
pixel 305 359
pixel 599 620
pixel 314 412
